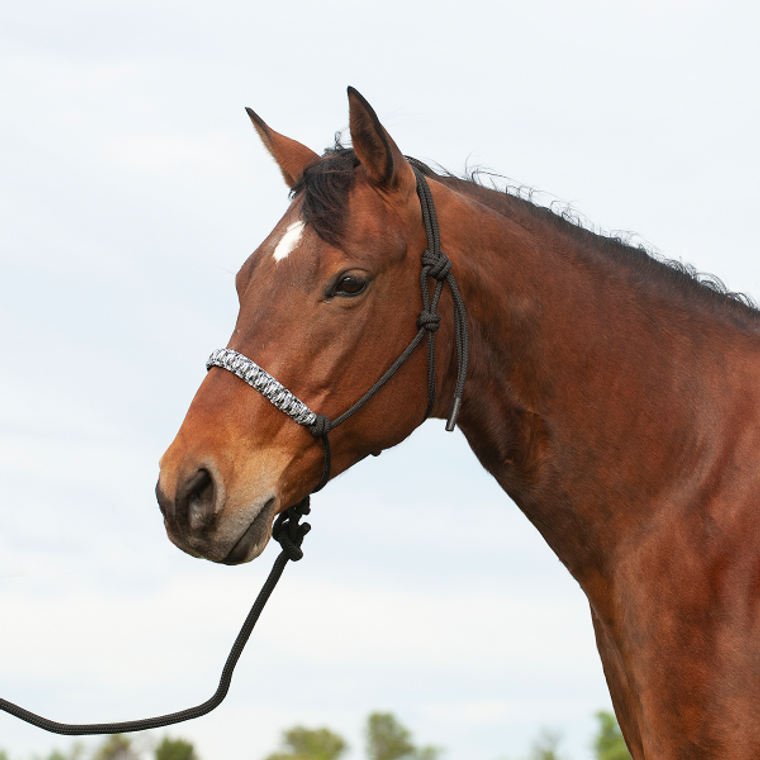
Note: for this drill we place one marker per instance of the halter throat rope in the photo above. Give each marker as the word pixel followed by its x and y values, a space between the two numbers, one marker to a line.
pixel 435 265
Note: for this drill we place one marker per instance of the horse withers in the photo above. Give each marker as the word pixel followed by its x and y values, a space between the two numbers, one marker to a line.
pixel 614 397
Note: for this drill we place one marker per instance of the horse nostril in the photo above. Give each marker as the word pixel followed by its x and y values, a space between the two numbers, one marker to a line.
pixel 199 499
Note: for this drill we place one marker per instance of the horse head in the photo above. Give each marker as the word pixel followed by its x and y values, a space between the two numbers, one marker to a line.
pixel 327 303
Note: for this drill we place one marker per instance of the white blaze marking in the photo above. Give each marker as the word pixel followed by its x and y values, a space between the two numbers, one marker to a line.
pixel 289 241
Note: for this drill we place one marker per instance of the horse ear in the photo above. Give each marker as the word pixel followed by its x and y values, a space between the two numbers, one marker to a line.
pixel 290 155
pixel 380 156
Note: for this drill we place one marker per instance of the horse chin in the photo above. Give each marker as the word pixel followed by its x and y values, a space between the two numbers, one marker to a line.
pixel 240 539
pixel 254 539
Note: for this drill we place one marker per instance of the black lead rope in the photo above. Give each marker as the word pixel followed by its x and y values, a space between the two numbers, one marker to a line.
pixel 287 530
pixel 290 534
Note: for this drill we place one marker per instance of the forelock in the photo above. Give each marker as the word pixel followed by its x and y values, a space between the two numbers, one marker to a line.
pixel 324 188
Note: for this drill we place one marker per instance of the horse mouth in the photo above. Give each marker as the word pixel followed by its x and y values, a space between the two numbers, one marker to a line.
pixel 255 537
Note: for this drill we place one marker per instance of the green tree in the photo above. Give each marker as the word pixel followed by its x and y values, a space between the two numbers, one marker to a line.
pixel 175 749
pixel 301 743
pixel 545 746
pixel 609 743
pixel 3 755
pixel 75 753
pixel 387 739
pixel 116 747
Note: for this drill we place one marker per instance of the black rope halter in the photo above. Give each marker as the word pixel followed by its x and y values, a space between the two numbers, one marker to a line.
pixel 287 530
pixel 435 265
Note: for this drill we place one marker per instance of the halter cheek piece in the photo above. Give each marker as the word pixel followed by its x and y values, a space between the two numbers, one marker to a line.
pixel 436 265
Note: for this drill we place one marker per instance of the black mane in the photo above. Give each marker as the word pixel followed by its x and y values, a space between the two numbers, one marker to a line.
pixel 327 183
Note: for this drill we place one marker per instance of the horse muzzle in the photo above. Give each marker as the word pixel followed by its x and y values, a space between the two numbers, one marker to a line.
pixel 202 521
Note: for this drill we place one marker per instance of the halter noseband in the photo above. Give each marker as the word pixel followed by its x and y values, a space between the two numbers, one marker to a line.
pixel 436 265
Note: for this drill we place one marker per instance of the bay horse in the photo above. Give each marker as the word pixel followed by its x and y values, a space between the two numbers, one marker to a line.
pixel 615 398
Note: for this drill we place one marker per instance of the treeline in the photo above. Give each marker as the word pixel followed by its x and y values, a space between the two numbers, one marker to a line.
pixel 385 739
pixel 120 747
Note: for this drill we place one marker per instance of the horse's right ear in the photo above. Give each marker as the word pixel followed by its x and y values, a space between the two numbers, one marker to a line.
pixel 380 156
pixel 290 155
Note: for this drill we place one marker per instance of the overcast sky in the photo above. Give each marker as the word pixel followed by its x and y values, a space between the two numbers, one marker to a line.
pixel 132 188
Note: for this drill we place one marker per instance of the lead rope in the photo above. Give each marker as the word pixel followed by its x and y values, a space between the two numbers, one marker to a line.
pixel 287 530
pixel 290 534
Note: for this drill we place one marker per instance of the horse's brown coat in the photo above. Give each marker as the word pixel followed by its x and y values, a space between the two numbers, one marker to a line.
pixel 616 403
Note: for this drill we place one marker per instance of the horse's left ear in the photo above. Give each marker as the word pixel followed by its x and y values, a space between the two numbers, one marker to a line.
pixel 290 155
pixel 384 162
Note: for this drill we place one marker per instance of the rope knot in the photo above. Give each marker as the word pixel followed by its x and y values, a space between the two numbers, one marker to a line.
pixel 438 266
pixel 430 321
pixel 321 426
pixel 289 533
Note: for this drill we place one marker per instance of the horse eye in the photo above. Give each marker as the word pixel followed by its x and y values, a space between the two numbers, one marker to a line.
pixel 350 286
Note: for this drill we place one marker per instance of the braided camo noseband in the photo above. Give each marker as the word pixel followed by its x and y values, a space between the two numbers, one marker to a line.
pixel 436 265
pixel 264 383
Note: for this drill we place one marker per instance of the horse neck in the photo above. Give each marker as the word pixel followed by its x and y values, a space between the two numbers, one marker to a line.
pixel 583 380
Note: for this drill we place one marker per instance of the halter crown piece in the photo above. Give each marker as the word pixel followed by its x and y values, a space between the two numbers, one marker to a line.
pixel 436 265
